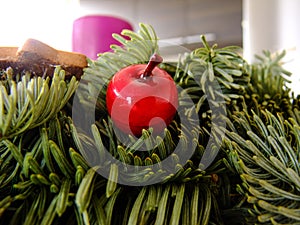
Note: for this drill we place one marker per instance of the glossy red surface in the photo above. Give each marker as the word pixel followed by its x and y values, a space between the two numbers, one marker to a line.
pixel 135 102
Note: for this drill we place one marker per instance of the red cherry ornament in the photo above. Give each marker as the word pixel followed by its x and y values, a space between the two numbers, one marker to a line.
pixel 141 96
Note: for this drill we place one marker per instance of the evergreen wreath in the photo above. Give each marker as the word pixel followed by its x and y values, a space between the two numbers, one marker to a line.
pixel 248 121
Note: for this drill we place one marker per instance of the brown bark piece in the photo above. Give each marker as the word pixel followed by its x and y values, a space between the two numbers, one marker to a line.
pixel 41 59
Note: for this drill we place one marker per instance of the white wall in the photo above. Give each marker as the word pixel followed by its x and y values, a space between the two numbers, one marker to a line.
pixel 177 18
pixel 273 25
pixel 49 21
pixel 178 23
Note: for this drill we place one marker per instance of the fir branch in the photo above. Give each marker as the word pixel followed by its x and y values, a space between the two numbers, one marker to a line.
pixel 52 153
pixel 269 166
pixel 32 101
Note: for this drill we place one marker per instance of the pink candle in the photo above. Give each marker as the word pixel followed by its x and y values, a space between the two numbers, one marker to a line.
pixel 92 34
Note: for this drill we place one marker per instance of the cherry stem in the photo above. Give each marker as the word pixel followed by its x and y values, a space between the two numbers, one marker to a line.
pixel 153 62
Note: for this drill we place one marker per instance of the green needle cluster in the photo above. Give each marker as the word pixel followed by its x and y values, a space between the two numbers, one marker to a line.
pixel 262 143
